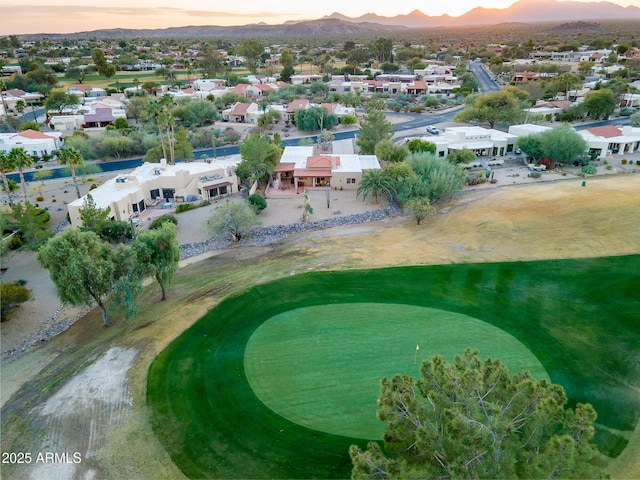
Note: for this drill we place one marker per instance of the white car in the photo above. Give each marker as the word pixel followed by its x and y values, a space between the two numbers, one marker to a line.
pixel 433 130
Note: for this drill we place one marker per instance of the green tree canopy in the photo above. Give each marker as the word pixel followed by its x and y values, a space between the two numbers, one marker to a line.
pixel 473 419
pixel 416 145
pixel 83 268
pixel 233 220
pixel 314 118
pixel 21 160
pixel 183 148
pixel 504 106
pixel 600 103
pixel 6 166
pixel 388 151
pixel 439 176
pixel 374 128
pixel 532 146
pixel 72 158
pixel 259 157
pixel 463 156
pixel 197 113
pixel 375 183
pixel 251 50
pixel 562 144
pixel 157 253
pixel 59 100
pixel 419 208
pixel 33 224
pixel 78 73
pixel 93 218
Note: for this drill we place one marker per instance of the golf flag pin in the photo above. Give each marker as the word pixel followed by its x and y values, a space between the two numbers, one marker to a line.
pixel 417 347
pixel 415 357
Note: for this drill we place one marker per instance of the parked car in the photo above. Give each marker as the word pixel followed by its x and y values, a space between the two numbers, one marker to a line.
pixel 433 130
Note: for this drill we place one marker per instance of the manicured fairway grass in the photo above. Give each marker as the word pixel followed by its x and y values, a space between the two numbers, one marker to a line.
pixel 321 366
pixel 580 318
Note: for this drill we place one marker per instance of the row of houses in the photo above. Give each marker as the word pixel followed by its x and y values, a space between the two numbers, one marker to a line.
pixel 242 112
pixel 601 141
pixel 153 184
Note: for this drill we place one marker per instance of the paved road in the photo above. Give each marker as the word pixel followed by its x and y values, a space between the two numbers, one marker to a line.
pixel 417 120
pixel 485 82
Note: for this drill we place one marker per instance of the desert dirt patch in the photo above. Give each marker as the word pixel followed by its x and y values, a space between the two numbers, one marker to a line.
pixel 556 220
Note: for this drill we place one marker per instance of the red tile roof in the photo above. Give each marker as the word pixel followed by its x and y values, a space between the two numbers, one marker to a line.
pixel 319 161
pixel 33 135
pixel 285 167
pixel 240 109
pixel 305 172
pixel 608 131
pixel 296 104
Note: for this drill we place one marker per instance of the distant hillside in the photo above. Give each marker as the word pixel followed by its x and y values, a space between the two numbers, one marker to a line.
pixel 322 27
pixel 527 11
pixel 337 25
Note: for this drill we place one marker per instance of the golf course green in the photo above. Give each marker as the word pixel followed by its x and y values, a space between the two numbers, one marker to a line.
pixel 208 390
pixel 320 366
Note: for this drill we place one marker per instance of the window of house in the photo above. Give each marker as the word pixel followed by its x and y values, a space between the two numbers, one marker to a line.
pixel 154 193
pixel 223 190
pixel 168 192
pixel 135 207
pixel 351 181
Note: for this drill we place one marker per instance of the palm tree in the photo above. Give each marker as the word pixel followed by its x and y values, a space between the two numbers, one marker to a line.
pixel 6 165
pixel 376 183
pixel 72 157
pixel 20 159
pixel 20 106
pixel 158 111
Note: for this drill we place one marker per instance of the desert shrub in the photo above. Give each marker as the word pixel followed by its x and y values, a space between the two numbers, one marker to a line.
pixel 624 161
pixel 589 170
pixel 39 198
pixel 158 222
pixel 257 202
pixel 12 294
pixel 12 185
pixel 637 162
pixel 184 207
pixel 476 179
pixel 535 175
pixel 93 186
pixel 14 243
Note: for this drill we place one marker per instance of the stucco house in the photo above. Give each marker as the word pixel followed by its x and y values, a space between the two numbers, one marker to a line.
pixel 37 144
pixel 241 113
pixel 300 168
pixel 156 183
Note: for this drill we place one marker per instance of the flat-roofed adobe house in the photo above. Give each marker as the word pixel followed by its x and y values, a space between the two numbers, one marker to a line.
pixel 300 169
pixel 609 139
pixel 127 196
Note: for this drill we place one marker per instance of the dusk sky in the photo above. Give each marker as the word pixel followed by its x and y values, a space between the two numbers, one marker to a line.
pixel 65 16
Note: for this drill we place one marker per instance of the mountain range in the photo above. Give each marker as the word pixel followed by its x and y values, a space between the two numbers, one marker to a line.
pixel 524 11
pixel 336 24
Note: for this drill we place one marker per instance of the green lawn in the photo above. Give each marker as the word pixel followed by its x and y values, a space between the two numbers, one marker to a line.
pixel 578 317
pixel 320 366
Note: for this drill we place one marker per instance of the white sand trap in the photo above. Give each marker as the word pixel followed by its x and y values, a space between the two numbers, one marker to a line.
pixel 78 416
